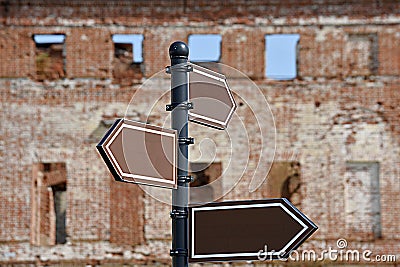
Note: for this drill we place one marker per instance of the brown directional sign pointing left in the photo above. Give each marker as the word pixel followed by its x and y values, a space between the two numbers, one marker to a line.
pixel 246 230
pixel 140 153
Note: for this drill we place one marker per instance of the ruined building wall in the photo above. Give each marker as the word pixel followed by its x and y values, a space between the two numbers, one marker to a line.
pixel 337 122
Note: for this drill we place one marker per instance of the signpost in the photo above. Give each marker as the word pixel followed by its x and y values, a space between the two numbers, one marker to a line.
pixel 179 107
pixel 213 102
pixel 243 230
pixel 145 154
pixel 140 153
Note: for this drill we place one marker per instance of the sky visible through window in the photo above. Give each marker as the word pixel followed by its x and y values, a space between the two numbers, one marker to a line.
pixel 280 56
pixel 49 38
pixel 280 50
pixel 204 47
pixel 137 42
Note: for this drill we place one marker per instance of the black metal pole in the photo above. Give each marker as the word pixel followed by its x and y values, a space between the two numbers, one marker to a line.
pixel 178 52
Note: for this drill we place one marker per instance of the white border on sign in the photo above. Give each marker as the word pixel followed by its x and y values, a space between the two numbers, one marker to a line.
pixel 124 125
pixel 223 123
pixel 249 254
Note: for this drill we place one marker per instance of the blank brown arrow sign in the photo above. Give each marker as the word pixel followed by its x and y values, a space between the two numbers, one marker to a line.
pixel 213 102
pixel 241 230
pixel 140 153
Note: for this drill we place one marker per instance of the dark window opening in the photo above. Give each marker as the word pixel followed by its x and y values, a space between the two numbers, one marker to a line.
pixel 49 204
pixel 291 184
pixel 203 174
pixel 50 56
pixel 46 167
pixel 283 181
pixel 60 209
pixel 128 66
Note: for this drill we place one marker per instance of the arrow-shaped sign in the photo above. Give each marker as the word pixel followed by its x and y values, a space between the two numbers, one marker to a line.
pixel 213 102
pixel 242 230
pixel 140 153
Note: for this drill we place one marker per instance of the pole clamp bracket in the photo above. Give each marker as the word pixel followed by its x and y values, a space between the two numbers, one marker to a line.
pixel 179 67
pixel 185 178
pixel 178 252
pixel 186 140
pixel 184 105
pixel 178 214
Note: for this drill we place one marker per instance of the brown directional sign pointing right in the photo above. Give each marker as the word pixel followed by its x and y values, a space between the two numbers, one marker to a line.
pixel 213 102
pixel 241 230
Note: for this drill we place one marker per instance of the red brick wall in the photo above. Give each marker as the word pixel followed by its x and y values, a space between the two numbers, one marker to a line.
pixel 89 53
pixel 126 214
pixel 337 110
pixel 389 54
pixel 158 11
pixel 16 53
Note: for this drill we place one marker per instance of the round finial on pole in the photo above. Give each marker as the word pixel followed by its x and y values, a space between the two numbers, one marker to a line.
pixel 178 50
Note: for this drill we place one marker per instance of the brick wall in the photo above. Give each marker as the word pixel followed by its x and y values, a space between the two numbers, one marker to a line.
pixel 126 214
pixel 342 107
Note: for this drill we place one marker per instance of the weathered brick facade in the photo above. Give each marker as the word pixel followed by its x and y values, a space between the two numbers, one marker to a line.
pixel 338 121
